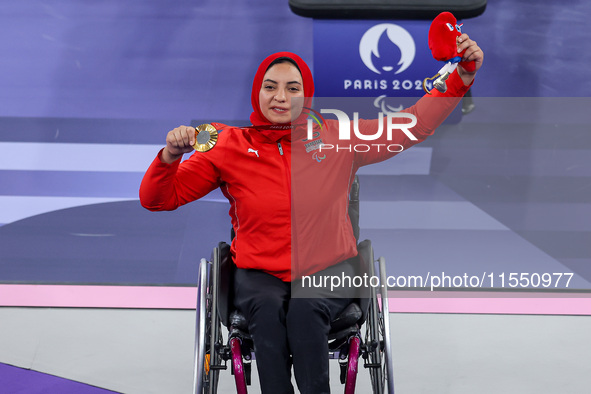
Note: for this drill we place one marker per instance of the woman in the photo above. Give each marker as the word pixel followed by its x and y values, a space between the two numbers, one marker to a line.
pixel 288 206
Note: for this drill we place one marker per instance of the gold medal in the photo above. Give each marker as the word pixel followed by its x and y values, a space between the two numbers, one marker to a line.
pixel 206 137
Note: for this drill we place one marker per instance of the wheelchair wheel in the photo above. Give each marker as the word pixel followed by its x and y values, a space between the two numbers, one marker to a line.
pixel 385 328
pixel 377 338
pixel 201 316
pixel 207 330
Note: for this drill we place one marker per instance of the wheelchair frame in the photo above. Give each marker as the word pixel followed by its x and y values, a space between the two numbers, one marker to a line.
pixel 214 301
pixel 212 353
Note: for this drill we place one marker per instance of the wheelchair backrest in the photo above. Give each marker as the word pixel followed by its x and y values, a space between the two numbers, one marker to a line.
pixel 354 207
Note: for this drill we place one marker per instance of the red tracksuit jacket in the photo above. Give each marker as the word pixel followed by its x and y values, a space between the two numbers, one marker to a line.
pixel 288 201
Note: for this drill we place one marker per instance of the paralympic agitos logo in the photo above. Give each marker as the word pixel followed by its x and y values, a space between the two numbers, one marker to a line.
pixel 345 126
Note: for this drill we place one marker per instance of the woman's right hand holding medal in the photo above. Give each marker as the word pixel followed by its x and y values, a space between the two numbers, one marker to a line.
pixel 178 142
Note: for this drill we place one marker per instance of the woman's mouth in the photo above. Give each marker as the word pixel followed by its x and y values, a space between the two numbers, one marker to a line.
pixel 279 110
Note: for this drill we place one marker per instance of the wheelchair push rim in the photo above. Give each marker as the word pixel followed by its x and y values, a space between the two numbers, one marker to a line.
pixel 389 364
pixel 207 331
pixel 377 337
pixel 201 320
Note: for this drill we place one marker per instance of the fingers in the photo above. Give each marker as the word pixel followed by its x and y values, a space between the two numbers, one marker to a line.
pixel 462 42
pixel 180 140
pixel 184 136
pixel 470 50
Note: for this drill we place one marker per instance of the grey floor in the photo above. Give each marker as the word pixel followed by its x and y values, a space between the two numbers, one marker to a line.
pixel 151 351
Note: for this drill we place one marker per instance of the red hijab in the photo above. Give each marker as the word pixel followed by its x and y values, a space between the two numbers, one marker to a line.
pixel 257 118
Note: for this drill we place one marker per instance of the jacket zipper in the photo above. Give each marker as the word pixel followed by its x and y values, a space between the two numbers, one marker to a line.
pixel 293 233
pixel 286 168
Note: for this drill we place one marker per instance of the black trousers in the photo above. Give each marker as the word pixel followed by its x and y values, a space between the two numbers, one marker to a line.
pixel 282 325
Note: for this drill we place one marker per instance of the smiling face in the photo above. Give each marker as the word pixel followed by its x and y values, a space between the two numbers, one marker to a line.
pixel 281 83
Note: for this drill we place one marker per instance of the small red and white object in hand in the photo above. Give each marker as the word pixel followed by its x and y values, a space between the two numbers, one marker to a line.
pixel 443 42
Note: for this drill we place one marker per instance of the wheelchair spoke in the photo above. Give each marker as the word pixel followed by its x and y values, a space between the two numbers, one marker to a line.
pixel 377 339
pixel 374 347
pixel 208 332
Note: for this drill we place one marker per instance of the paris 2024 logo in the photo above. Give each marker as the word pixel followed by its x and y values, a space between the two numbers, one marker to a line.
pixel 377 50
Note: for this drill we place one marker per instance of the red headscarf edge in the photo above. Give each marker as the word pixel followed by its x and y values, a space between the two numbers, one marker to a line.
pixel 257 118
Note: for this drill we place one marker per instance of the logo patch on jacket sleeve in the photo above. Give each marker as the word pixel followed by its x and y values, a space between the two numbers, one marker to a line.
pixel 313 145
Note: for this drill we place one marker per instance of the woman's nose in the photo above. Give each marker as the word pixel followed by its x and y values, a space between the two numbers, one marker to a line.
pixel 280 96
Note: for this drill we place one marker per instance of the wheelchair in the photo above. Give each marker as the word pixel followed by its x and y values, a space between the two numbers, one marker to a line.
pixel 362 330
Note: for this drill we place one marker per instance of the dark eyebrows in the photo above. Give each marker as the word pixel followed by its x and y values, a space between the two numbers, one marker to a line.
pixel 275 82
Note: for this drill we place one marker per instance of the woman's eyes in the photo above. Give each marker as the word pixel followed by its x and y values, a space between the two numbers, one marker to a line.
pixel 291 89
